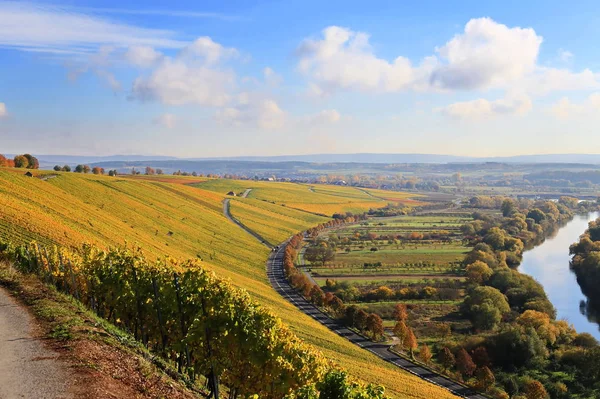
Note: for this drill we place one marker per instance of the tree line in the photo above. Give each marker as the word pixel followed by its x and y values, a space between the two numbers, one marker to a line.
pixel 26 161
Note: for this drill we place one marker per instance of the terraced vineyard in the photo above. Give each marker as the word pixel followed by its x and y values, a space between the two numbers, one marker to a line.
pixel 165 217
pixel 317 199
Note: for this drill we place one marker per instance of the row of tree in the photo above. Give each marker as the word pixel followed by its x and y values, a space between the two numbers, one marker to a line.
pixel 26 161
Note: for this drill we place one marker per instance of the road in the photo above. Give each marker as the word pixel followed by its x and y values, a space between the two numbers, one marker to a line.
pixel 228 215
pixel 278 281
pixel 245 194
pixel 281 285
pixel 27 368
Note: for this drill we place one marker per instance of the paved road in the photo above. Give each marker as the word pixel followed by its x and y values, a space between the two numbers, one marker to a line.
pixel 228 215
pixel 281 285
pixel 27 368
pixel 245 194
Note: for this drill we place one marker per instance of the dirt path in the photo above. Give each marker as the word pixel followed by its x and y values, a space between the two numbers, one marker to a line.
pixel 27 368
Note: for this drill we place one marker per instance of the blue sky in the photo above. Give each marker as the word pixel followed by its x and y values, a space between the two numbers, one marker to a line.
pixel 264 78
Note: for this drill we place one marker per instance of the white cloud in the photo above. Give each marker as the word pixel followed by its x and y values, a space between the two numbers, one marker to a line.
pixel 142 56
pixel 63 30
pixel 565 55
pixel 109 79
pixel 272 78
pixel 166 120
pixel 207 50
pixel 262 113
pixel 174 82
pixel 486 55
pixel 194 76
pixel 3 111
pixel 565 109
pixel 343 59
pixel 482 108
pixel 325 117
pixel 546 80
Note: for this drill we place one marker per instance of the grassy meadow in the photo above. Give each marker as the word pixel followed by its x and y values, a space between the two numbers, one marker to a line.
pixel 165 215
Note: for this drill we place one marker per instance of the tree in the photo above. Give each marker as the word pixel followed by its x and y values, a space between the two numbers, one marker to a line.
pixel 360 319
pixel 425 354
pixel 485 307
pixel 446 358
pixel 508 207
pixel 3 161
pixel 98 170
pixel 316 295
pixel 159 172
pixel 375 326
pixel 79 168
pixel 112 172
pixel 66 168
pixel 400 312
pixel 21 161
pixel 150 171
pixel 536 214
pixel 535 390
pixel 478 272
pixel 485 378
pixel 401 331
pixel 410 343
pixel 86 169
pixel 464 362
pixel 481 357
pixel 32 162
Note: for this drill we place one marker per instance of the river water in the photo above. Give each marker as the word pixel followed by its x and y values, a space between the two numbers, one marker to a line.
pixel 548 263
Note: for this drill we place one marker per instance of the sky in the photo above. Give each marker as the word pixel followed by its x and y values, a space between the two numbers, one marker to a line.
pixel 234 78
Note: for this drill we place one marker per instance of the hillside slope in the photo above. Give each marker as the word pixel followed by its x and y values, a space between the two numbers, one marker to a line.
pixel 166 218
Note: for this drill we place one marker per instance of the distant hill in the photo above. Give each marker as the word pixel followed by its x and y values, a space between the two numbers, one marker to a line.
pixel 364 158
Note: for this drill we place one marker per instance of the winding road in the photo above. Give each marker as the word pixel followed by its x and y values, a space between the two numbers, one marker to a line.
pixel 275 273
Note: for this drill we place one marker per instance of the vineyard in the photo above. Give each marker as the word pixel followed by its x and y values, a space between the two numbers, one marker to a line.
pixel 182 222
pixel 317 199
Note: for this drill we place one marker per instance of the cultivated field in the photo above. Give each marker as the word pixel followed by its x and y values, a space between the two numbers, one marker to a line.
pixel 317 199
pixel 418 258
pixel 165 217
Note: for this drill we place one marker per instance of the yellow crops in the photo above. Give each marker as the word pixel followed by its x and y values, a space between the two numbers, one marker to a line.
pixel 72 208
pixel 318 199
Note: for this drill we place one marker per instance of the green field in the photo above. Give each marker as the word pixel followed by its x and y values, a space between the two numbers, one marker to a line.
pixel 165 217
pixel 405 254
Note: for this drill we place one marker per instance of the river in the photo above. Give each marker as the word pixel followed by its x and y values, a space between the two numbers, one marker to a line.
pixel 548 263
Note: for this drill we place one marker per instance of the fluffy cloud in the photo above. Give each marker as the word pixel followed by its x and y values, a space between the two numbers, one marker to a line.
pixel 325 117
pixel 262 113
pixel 142 56
pixel 174 82
pixel 207 50
pixel 565 109
pixel 3 111
pixel 272 78
pixel 194 76
pixel 343 59
pixel 486 55
pixel 482 108
pixel 565 55
pixel 166 120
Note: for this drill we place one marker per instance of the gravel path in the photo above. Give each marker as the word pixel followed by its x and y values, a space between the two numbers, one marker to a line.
pixel 27 368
